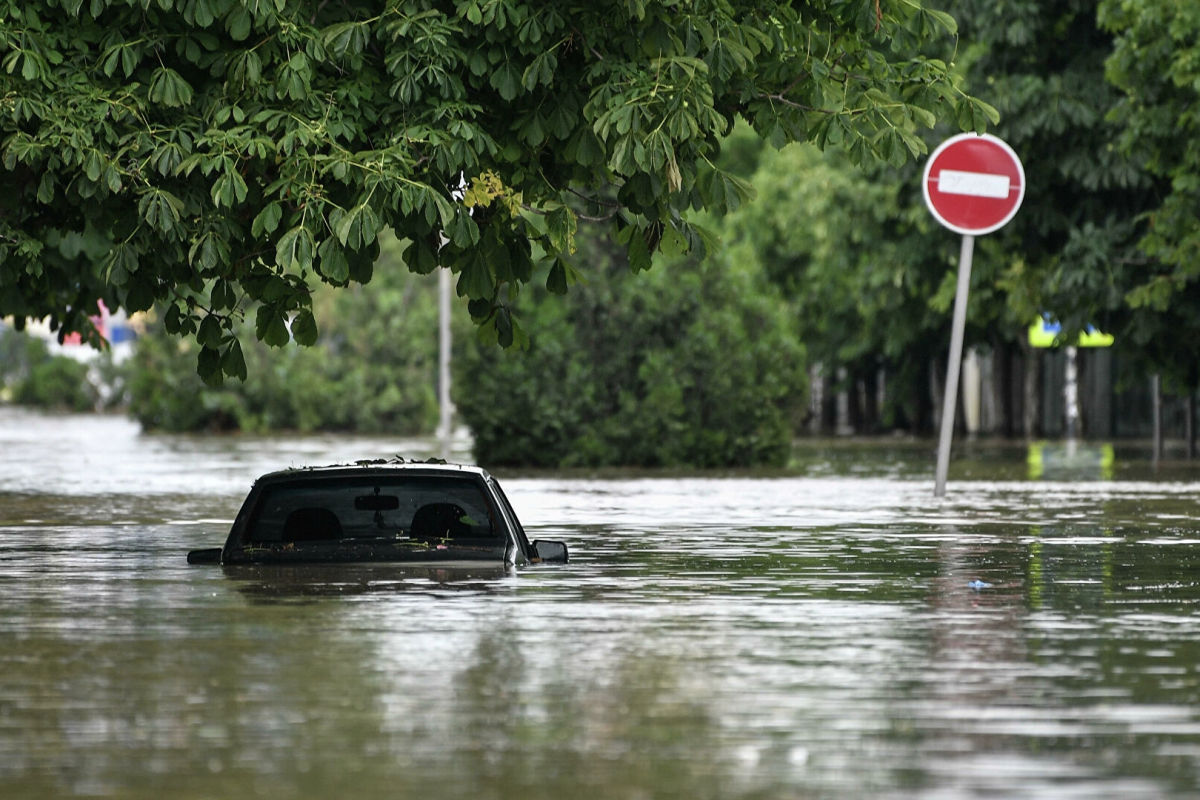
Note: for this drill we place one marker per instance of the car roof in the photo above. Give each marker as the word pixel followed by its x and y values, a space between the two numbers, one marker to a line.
pixel 377 467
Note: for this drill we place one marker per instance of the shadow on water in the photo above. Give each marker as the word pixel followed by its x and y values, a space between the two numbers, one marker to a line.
pixel 829 630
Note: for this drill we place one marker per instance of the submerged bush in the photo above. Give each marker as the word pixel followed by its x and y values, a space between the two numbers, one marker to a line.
pixel 691 364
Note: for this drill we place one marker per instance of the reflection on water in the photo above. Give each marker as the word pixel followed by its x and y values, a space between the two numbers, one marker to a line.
pixel 808 634
pixel 298 581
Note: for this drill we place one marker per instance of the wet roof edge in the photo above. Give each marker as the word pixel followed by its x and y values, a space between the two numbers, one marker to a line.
pixel 384 465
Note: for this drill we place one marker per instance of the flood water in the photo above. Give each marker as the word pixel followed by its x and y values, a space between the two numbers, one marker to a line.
pixel 812 633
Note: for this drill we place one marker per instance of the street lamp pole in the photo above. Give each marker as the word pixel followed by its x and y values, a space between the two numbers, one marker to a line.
pixel 445 407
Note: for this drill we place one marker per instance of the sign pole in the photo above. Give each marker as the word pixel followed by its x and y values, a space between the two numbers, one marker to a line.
pixel 973 184
pixel 954 364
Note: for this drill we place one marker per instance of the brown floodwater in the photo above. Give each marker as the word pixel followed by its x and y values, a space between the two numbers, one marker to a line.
pixel 826 631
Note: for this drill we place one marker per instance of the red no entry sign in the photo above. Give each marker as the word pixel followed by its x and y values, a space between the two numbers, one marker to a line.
pixel 973 183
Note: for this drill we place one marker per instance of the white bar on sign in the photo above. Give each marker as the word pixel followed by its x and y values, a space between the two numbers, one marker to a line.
pixel 976 184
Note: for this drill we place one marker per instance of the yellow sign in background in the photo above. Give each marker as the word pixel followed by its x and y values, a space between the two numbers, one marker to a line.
pixel 1044 333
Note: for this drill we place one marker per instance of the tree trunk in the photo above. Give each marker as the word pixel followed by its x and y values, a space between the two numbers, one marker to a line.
pixel 870 383
pixel 1190 425
pixel 854 403
pixel 829 405
pixel 1030 418
pixel 937 392
pixel 1156 414
pixel 1002 386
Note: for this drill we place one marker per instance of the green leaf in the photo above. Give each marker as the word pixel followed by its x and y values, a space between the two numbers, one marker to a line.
pixel 361 268
pixel 501 327
pixel 346 38
pixel 267 220
pixel 233 363
pixel 639 252
pixel 507 80
pixel 722 191
pixel 201 13
pixel 560 228
pixel 486 332
pixel 357 228
pixel 168 88
pixel 93 165
pixel 463 231
pixel 446 211
pixel 294 251
pixel 238 22
pixel 983 111
pixel 420 258
pixel 273 289
pixel 209 335
pixel 229 189
pixel 122 262
pixel 922 116
pixel 172 321
pixel 208 365
pixel 160 209
pixel 943 19
pixel 245 68
pixel 139 294
pixel 540 70
pixel 673 243
pixel 111 59
pixel 112 179
pixel 504 327
pixel 562 276
pixel 334 266
pixel 210 250
pixel 475 280
pixel 222 295
pixel 270 325
pixel 304 328
pixel 131 56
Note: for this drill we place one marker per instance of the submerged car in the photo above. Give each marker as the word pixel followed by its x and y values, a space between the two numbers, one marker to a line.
pixel 378 511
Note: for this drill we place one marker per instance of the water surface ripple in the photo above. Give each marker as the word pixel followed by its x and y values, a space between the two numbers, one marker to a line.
pixel 828 631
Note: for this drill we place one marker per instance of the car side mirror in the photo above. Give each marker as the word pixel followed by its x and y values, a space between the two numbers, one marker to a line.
pixel 550 551
pixel 208 556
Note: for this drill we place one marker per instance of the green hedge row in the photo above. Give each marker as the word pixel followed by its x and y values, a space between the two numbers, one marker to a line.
pixel 689 364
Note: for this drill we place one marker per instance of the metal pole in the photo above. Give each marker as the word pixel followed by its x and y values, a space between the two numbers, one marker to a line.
pixel 444 405
pixel 954 364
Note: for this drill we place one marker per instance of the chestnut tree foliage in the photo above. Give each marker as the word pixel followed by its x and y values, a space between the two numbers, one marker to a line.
pixel 220 158
pixel 1155 63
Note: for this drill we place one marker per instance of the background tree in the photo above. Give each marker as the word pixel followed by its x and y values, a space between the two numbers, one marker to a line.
pixel 373 371
pixel 33 376
pixel 1155 63
pixel 874 276
pixel 694 364
pixel 223 157
pixel 1072 248
pixel 849 247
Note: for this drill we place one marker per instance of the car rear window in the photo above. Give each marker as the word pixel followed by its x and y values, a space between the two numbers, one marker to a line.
pixel 388 507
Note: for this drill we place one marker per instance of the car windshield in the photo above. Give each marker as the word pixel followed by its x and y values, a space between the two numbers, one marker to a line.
pixel 417 507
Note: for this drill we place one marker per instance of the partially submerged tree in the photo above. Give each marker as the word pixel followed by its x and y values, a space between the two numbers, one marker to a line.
pixel 219 157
